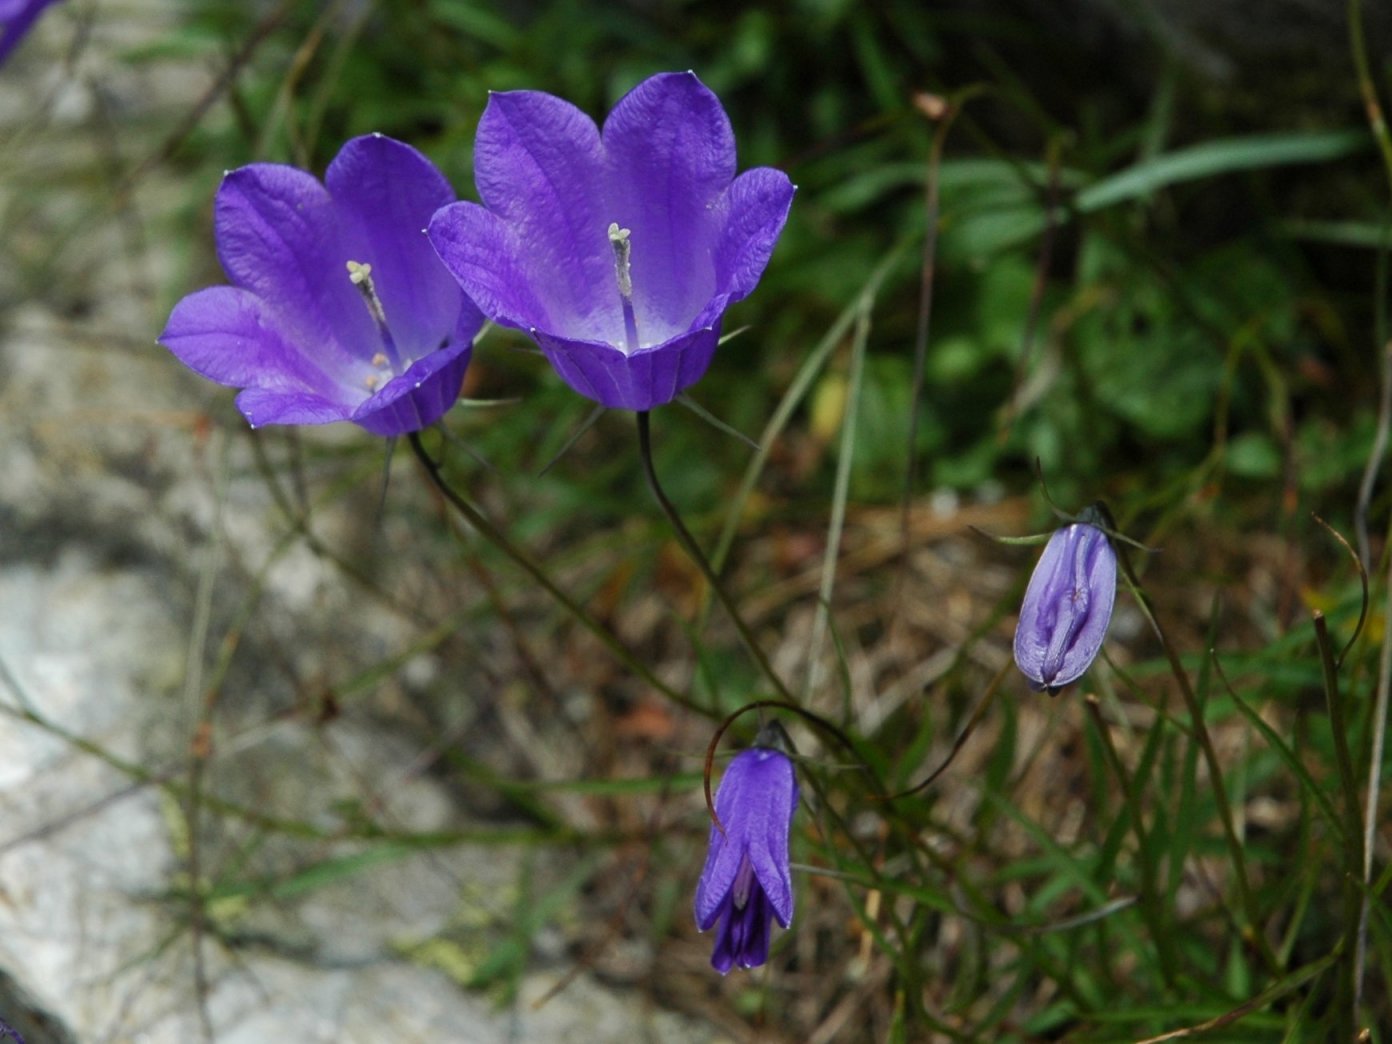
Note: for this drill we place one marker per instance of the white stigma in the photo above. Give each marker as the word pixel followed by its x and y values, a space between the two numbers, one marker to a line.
pixel 623 250
pixel 360 275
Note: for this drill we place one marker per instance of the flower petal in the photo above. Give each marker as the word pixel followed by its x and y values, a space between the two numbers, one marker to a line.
pixel 386 193
pixel 743 938
pixel 642 381
pixel 278 236
pixel 717 878
pixel 670 154
pixel 261 406
pixel 538 166
pixel 228 336
pixel 757 206
pixel 420 396
pixel 768 844
pixel 484 256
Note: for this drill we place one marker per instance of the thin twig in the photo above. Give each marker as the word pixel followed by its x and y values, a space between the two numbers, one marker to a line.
pixel 944 111
pixel 216 90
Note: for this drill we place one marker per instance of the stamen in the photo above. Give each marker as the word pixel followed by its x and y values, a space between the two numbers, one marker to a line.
pixel 360 275
pixel 623 252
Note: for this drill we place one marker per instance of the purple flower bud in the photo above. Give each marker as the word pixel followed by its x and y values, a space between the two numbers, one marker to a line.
pixel 338 308
pixel 617 249
pixel 747 882
pixel 1067 607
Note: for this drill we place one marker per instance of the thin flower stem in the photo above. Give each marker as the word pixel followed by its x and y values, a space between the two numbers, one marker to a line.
pixel 927 270
pixel 1254 935
pixel 495 536
pixel 693 550
pixel 942 111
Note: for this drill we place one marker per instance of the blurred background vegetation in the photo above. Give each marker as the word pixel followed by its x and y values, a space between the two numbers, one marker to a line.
pixel 1159 277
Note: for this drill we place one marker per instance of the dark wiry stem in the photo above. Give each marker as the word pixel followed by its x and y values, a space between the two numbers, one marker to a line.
pixel 693 549
pixel 495 536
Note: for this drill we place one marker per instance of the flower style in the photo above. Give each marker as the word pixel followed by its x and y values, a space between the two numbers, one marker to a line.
pixel 747 882
pixel 338 308
pixel 618 250
pixel 1067 605
pixel 17 17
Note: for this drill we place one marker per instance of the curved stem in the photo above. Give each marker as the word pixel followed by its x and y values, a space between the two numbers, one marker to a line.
pixel 688 543
pixel 485 527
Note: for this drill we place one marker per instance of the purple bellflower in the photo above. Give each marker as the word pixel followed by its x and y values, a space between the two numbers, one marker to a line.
pixel 1067 606
pixel 338 308
pixel 17 17
pixel 617 250
pixel 747 881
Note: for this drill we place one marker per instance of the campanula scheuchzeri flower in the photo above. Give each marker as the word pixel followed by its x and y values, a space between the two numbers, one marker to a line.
pixel 17 17
pixel 618 250
pixel 339 308
pixel 1067 606
pixel 747 882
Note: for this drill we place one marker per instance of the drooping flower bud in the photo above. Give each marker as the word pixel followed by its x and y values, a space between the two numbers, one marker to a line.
pixel 1067 605
pixel 747 882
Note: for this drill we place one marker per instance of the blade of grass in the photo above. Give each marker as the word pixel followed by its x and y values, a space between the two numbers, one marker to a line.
pixel 840 494
pixel 792 398
pixel 1346 1014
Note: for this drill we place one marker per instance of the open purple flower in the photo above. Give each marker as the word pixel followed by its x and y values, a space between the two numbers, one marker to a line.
pixel 17 17
pixel 747 882
pixel 338 308
pixel 1067 606
pixel 617 250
